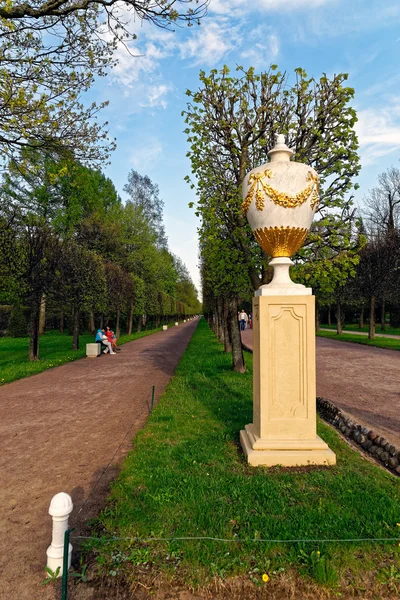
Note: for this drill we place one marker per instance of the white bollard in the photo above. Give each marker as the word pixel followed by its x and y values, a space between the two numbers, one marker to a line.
pixel 176 324
pixel 165 327
pixel 60 508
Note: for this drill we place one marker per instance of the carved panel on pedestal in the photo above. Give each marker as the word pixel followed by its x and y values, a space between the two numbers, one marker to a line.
pixel 287 357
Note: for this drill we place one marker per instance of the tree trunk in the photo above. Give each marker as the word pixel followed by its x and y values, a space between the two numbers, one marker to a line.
pixel 130 321
pixel 227 337
pixel 101 321
pixel 339 328
pixel 75 329
pixel 383 315
pixel 117 325
pixel 237 352
pixel 317 316
pixel 221 329
pixel 92 328
pixel 139 324
pixel 371 332
pixel 361 321
pixel 329 316
pixel 34 332
pixel 42 317
pixel 61 327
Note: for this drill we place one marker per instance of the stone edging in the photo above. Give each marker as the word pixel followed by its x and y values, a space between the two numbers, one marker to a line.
pixel 370 441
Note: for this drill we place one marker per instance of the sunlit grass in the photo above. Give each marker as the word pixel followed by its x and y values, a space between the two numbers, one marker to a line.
pixel 187 477
pixel 55 349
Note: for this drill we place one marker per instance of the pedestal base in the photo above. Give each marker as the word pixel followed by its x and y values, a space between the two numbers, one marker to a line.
pixel 287 453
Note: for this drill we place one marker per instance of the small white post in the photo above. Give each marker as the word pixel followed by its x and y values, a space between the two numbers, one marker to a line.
pixel 176 324
pixel 165 327
pixel 60 508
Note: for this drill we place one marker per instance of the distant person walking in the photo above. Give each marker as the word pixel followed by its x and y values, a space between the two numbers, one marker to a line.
pixel 243 318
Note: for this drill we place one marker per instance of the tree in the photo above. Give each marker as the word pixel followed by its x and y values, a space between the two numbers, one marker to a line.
pixel 232 121
pixel 80 284
pixel 50 54
pixel 378 272
pixel 144 195
pixel 382 203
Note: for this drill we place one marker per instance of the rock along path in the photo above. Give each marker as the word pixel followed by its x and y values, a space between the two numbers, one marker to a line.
pixel 361 380
pixel 58 432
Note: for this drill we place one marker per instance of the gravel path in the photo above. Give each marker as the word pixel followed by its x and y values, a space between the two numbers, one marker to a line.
pixel 58 432
pixel 361 380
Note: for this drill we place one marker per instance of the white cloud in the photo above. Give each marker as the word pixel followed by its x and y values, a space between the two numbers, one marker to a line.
pixel 378 131
pixel 147 152
pixel 239 7
pixel 156 96
pixel 210 45
pixel 264 49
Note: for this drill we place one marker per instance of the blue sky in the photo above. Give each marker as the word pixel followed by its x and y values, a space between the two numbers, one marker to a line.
pixel 147 93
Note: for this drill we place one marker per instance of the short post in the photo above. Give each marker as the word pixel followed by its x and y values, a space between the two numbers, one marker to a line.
pixel 152 398
pixel 60 508
pixel 176 323
pixel 165 327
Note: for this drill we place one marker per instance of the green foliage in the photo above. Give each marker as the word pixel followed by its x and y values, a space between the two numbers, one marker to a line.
pixel 51 575
pixel 17 323
pixel 319 567
pixel 231 122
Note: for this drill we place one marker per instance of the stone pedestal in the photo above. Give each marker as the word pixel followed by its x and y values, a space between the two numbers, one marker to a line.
pixel 283 431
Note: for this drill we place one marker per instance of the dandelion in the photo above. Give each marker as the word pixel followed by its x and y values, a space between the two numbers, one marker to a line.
pixel 265 578
pixel 318 552
pixel 398 524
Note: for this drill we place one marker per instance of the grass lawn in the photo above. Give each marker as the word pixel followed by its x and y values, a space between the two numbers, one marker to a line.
pixel 378 342
pixel 54 350
pixel 186 477
pixel 378 330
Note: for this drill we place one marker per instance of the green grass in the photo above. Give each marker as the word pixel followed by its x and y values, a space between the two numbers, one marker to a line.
pixel 378 329
pixel 187 477
pixel 54 350
pixel 378 342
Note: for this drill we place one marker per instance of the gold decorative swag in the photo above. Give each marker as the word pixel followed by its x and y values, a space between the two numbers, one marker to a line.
pixel 256 182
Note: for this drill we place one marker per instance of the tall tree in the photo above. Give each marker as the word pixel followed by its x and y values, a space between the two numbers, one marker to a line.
pixel 144 195
pixel 231 123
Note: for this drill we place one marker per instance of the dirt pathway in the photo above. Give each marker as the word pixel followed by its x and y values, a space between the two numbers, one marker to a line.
pixel 361 380
pixel 58 432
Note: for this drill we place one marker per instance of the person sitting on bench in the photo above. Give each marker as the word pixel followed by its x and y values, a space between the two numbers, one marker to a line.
pixel 102 339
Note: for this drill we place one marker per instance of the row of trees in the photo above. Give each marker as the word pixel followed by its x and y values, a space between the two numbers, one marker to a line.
pixel 375 280
pixel 231 122
pixel 69 243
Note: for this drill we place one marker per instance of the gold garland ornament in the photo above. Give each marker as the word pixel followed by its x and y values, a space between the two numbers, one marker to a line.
pixel 256 182
pixel 280 241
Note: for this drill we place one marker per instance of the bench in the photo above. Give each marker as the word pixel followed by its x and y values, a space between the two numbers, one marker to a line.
pixel 93 350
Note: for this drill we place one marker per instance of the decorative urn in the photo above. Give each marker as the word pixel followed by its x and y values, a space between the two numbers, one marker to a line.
pixel 280 200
